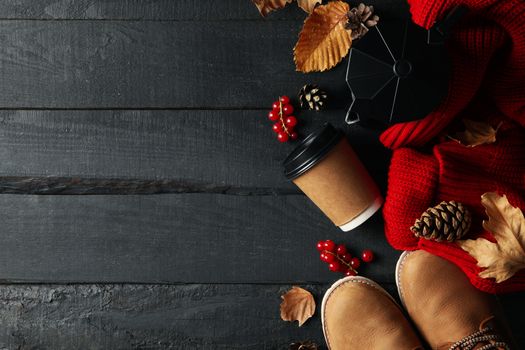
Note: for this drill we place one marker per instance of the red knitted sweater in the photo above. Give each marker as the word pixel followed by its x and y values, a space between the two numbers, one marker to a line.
pixel 487 83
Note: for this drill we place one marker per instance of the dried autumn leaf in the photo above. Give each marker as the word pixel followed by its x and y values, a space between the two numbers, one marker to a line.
pixel 507 256
pixel 323 41
pixel 267 6
pixel 308 5
pixel 298 305
pixel 476 133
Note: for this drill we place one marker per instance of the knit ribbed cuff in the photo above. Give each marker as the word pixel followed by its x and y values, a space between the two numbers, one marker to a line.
pixel 411 186
pixel 426 12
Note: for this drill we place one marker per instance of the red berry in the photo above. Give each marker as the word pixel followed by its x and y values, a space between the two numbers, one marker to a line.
pixel 334 266
pixel 329 245
pixel 341 249
pixel 284 100
pixel 322 257
pixel 273 115
pixel 320 246
pixel 346 257
pixel 355 263
pixel 367 255
pixel 277 127
pixel 291 121
pixel 350 272
pixel 282 136
pixel 287 109
pixel 293 135
pixel 330 257
pixel 276 106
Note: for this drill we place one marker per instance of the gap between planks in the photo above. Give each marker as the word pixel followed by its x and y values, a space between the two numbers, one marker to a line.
pixel 83 186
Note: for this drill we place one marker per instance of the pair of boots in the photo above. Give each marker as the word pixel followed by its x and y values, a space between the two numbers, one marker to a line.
pixel 446 309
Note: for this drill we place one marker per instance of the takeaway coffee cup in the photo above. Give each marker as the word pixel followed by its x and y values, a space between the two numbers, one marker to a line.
pixel 327 170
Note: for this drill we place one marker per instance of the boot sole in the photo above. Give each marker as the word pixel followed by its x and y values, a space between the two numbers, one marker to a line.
pixel 353 279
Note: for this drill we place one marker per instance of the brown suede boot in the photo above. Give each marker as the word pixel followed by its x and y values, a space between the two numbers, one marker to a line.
pixel 358 314
pixel 449 312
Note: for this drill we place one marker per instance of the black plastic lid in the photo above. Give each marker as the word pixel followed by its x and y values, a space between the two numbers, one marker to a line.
pixel 311 150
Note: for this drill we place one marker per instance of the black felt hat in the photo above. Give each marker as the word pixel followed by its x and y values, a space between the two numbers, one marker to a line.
pixel 399 72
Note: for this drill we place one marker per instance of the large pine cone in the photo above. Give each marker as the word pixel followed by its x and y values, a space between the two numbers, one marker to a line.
pixel 447 221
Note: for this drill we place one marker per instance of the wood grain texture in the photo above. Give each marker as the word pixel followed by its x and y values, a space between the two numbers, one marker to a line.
pixel 160 10
pixel 154 65
pixel 79 152
pixel 163 317
pixel 187 64
pixel 149 317
pixel 180 238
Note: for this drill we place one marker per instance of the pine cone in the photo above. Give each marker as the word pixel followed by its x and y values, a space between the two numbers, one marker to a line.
pixel 447 221
pixel 304 345
pixel 361 18
pixel 312 97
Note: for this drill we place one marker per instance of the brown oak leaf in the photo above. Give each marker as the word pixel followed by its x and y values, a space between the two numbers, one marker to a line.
pixel 476 133
pixel 298 305
pixel 323 41
pixel 308 5
pixel 267 6
pixel 507 256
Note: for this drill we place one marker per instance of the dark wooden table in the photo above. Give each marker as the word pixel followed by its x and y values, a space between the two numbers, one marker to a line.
pixel 143 201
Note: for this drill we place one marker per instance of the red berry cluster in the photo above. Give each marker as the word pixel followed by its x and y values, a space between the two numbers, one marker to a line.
pixel 285 122
pixel 339 259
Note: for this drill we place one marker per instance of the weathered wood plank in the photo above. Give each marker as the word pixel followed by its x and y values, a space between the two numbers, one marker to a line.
pixel 108 64
pixel 149 317
pixel 160 9
pixel 183 238
pixel 162 317
pixel 153 64
pixel 79 152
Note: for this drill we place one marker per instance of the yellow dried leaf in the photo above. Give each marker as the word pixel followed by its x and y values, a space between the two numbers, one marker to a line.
pixel 308 5
pixel 507 256
pixel 298 305
pixel 267 6
pixel 476 133
pixel 323 41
